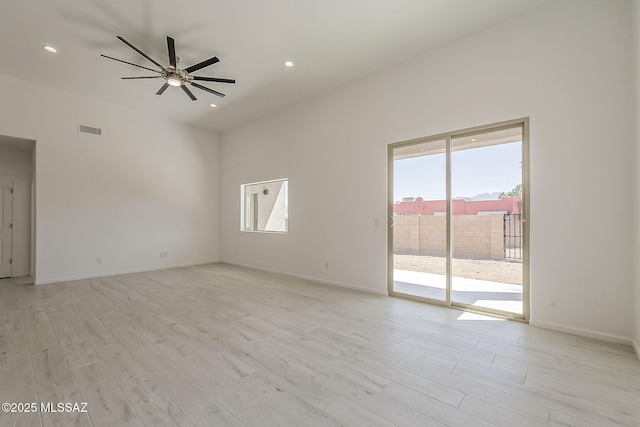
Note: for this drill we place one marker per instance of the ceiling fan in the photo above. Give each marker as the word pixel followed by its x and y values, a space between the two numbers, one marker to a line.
pixel 172 74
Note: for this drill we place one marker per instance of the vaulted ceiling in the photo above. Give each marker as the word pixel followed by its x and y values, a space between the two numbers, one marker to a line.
pixel 330 42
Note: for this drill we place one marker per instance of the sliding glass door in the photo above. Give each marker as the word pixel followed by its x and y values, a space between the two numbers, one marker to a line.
pixel 457 219
pixel 419 228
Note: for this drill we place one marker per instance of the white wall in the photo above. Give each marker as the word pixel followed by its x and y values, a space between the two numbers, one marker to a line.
pixel 16 163
pixel 146 186
pixel 636 304
pixel 566 65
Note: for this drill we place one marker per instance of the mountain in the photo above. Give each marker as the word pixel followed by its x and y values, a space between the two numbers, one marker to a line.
pixel 486 196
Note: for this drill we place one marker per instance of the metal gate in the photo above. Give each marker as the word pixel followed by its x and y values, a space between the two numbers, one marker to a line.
pixel 512 236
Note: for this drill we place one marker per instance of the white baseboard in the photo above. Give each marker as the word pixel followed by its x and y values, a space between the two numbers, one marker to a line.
pixel 312 279
pixel 117 273
pixel 585 333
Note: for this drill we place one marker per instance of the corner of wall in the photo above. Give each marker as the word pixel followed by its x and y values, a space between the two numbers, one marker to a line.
pixel 636 202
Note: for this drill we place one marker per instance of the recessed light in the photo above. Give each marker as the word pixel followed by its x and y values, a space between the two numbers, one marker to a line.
pixel 288 64
pixel 473 140
pixel 212 105
pixel 50 49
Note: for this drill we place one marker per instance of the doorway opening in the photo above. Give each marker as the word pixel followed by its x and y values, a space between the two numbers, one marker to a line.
pixel 17 221
pixel 458 207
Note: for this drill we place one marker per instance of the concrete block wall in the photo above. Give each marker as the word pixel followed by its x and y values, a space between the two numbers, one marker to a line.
pixel 475 237
pixel 433 235
pixel 406 232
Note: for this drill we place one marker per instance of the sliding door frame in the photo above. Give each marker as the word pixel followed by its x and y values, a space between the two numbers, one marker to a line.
pixel 524 124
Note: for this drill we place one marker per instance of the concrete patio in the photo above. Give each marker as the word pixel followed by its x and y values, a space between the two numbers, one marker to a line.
pixel 482 293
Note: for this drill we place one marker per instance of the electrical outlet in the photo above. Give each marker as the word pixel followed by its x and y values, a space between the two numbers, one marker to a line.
pixel 99 261
pixel 326 265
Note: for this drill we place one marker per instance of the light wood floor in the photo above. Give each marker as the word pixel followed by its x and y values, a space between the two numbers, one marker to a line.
pixel 220 345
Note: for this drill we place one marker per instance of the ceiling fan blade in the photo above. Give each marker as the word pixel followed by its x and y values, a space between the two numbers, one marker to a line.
pixel 207 89
pixel 213 79
pixel 143 77
pixel 130 63
pixel 202 64
pixel 188 92
pixel 139 51
pixel 171 46
pixel 162 89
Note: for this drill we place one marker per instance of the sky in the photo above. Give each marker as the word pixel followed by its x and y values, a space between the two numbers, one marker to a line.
pixel 474 171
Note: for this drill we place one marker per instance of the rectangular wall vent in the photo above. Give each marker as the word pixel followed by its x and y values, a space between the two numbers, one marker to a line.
pixel 89 129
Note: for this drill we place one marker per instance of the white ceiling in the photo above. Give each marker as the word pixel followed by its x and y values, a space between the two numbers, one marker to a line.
pixel 331 42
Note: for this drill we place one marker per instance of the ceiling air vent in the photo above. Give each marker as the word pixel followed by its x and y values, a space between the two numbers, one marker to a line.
pixel 89 129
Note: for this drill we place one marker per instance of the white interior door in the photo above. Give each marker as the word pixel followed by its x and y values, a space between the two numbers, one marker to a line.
pixel 6 209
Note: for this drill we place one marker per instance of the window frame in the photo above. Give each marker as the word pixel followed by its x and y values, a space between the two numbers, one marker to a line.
pixel 245 205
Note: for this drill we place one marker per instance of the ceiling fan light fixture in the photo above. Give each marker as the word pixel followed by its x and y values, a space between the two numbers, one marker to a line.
pixel 174 81
pixel 173 75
